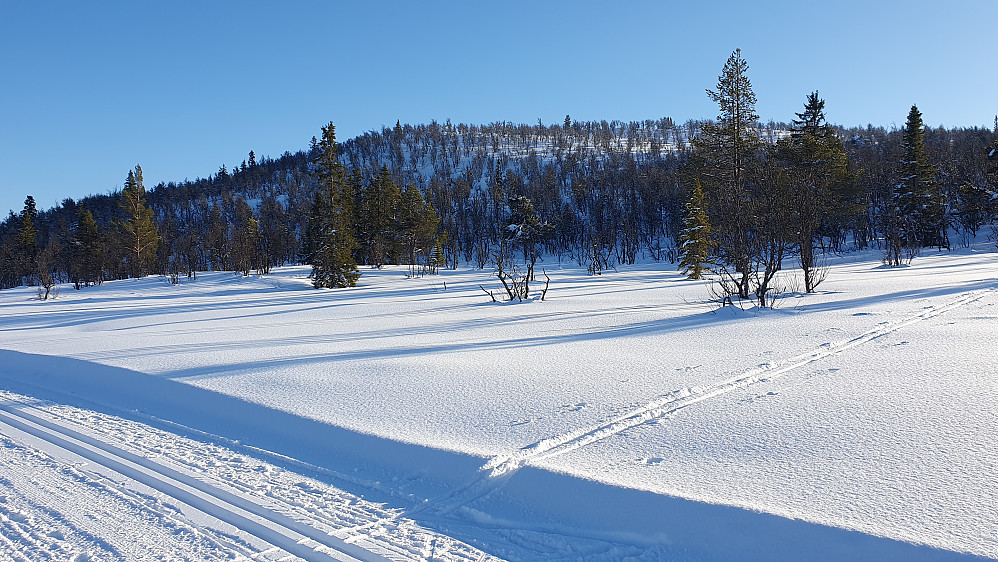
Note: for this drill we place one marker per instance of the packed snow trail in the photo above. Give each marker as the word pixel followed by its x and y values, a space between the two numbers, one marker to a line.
pixel 274 528
pixel 501 467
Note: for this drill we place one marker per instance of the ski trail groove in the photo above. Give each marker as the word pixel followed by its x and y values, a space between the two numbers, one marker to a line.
pixel 500 468
pixel 564 443
pixel 274 528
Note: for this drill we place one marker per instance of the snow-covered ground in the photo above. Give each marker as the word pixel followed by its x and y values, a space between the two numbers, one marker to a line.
pixel 414 419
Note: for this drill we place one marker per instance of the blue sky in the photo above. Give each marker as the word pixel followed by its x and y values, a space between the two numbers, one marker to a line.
pixel 89 89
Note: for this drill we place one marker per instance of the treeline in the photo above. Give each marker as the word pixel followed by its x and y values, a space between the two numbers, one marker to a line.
pixel 594 193
pixel 753 204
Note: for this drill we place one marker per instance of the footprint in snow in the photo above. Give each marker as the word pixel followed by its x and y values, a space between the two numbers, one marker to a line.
pixel 649 461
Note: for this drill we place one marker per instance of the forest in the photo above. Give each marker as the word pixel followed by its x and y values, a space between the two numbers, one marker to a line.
pixel 731 197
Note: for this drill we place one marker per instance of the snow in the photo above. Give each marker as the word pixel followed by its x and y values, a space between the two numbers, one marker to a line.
pixel 624 416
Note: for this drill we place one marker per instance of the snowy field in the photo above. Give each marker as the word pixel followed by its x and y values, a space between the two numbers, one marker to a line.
pixel 623 418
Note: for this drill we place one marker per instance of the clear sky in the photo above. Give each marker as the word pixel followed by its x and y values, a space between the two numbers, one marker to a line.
pixel 89 89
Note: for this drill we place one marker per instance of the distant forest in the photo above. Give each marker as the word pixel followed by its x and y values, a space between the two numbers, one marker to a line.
pixel 702 195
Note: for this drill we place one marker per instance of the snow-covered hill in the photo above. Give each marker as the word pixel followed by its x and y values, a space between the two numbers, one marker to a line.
pixel 624 416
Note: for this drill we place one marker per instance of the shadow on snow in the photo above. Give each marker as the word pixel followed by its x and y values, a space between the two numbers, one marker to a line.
pixel 535 515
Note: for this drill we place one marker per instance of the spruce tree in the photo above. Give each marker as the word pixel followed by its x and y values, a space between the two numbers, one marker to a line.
pixel 27 241
pixel 918 198
pixel 86 267
pixel 695 244
pixel 139 230
pixel 822 191
pixel 417 226
pixel 378 222
pixel 332 219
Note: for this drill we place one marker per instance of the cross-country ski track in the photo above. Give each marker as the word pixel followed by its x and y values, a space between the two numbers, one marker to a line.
pixel 271 527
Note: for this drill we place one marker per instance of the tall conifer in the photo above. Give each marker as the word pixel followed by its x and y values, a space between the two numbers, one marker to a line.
pixel 920 201
pixel 724 155
pixel 141 236
pixel 332 219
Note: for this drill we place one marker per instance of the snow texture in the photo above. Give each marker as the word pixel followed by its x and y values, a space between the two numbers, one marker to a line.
pixel 412 418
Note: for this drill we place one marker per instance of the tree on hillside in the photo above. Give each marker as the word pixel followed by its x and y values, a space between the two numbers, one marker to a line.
pixel 695 243
pixel 247 242
pixel 85 266
pixel 527 231
pixel 276 237
pixel 332 220
pixel 378 219
pixel 417 230
pixel 724 154
pixel 139 231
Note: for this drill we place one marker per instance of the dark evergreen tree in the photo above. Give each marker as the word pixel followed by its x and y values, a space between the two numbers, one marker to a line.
pixel 695 243
pixel 276 238
pixel 921 208
pixel 332 219
pixel 378 220
pixel 417 228
pixel 247 245
pixel 86 265
pixel 724 155
pixel 139 230
pixel 821 190
pixel 27 241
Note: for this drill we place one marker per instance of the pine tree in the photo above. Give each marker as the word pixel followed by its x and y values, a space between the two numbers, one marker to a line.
pixel 812 120
pixel 332 219
pixel 695 244
pixel 141 236
pixel 724 154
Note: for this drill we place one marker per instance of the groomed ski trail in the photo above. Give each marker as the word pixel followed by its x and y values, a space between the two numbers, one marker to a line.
pixel 500 468
pixel 271 527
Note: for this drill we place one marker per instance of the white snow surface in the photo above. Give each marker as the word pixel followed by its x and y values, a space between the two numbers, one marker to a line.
pixel 623 417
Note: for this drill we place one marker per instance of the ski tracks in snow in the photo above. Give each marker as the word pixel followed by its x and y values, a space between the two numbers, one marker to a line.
pixel 500 468
pixel 353 531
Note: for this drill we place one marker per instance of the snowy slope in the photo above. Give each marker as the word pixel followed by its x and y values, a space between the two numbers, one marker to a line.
pixel 624 416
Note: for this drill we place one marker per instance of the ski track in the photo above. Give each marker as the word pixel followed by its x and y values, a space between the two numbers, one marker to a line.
pixel 501 467
pixel 270 526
